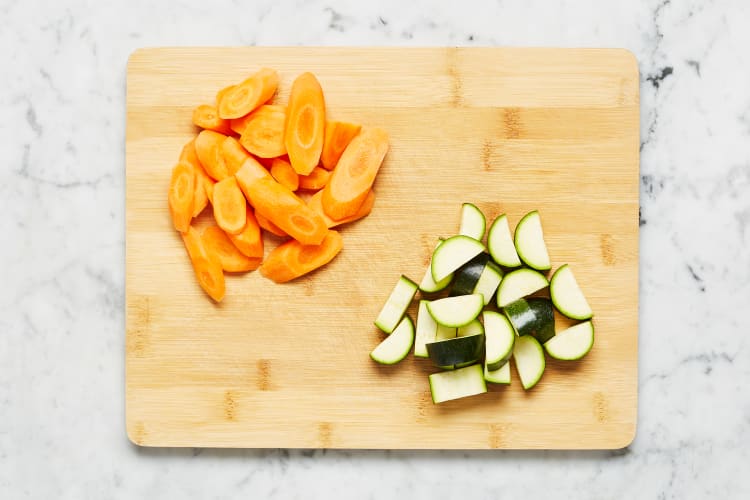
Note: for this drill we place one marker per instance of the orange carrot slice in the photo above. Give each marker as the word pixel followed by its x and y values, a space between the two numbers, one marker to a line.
pixel 293 259
pixel 238 124
pixel 305 123
pixel 234 154
pixel 263 133
pixel 317 179
pixel 270 226
pixel 232 260
pixel 208 147
pixel 355 173
pixel 280 205
pixel 249 241
pixel 206 117
pixel 337 137
pixel 181 195
pixel 248 95
pixel 209 187
pixel 282 171
pixel 230 209
pixel 206 265
pixel 220 94
pixel 315 202
pixel 200 199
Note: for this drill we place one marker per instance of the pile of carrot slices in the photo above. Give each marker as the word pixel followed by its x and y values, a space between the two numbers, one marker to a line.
pixel 267 167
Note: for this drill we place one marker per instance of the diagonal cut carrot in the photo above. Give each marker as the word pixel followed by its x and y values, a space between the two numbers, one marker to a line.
pixel 232 260
pixel 248 95
pixel 181 195
pixel 270 226
pixel 317 179
pixel 292 259
pixel 250 240
pixel 355 173
pixel 280 205
pixel 238 124
pixel 316 203
pixel 230 207
pixel 337 137
pixel 206 265
pixel 200 199
pixel 234 154
pixel 263 132
pixel 282 171
pixel 208 148
pixel 305 123
pixel 206 117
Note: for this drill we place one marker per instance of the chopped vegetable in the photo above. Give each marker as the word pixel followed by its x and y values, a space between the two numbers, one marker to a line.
pixel 206 117
pixel 208 148
pixel 473 222
pixel 572 343
pixel 456 311
pixel 567 295
pixel 518 284
pixel 397 345
pixel 232 260
pixel 282 171
pixel 316 203
pixel 206 265
pixel 500 243
pixel 249 241
pixel 200 199
pixel 315 180
pixel 230 207
pixel 529 359
pixel 452 254
pixel 234 154
pixel 305 123
pixel 181 195
pixel 263 132
pixel 398 301
pixel 455 384
pixel 293 259
pixel 529 241
pixel 270 226
pixel 243 98
pixel 338 135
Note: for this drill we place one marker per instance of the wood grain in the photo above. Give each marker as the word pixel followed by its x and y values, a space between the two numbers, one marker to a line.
pixel 287 365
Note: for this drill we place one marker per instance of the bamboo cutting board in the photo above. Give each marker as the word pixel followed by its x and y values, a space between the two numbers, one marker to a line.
pixel 511 130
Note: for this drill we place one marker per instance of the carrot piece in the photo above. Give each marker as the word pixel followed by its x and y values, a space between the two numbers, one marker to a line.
pixel 315 202
pixel 200 199
pixel 317 179
pixel 337 137
pixel 293 259
pixel 280 205
pixel 282 171
pixel 249 241
pixel 248 95
pixel 208 149
pixel 206 117
pixel 234 154
pixel 181 195
pixel 206 265
pixel 232 260
pixel 209 187
pixel 270 226
pixel 305 123
pixel 263 134
pixel 220 94
pixel 229 206
pixel 355 173
pixel 239 124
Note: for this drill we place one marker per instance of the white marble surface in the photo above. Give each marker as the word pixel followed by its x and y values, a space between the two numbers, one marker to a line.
pixel 61 301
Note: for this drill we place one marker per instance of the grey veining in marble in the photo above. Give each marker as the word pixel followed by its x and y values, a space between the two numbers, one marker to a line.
pixel 62 85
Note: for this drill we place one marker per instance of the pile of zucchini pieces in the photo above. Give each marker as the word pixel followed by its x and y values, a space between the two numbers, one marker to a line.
pixel 470 351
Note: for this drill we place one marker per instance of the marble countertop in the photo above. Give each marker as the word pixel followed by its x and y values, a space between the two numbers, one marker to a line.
pixel 62 432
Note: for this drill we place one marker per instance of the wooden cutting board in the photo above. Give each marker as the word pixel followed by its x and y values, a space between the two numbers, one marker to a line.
pixel 288 365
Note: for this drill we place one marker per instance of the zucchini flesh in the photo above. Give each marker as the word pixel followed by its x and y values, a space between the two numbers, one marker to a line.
pixel 395 307
pixel 567 295
pixel 499 340
pixel 488 282
pixel 473 222
pixel 500 243
pixel 452 254
pixel 529 242
pixel 518 284
pixel 456 311
pixel 444 332
pixel 474 327
pixel 572 343
pixel 456 351
pixel 429 285
pixel 529 360
pixel 426 330
pixel 397 345
pixel 499 376
pixel 456 384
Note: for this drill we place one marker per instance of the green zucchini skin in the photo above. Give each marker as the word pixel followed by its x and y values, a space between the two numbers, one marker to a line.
pixel 466 277
pixel 533 316
pixel 456 351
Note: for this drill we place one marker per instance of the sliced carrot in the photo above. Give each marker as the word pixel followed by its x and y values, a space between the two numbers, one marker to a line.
pixel 181 195
pixel 220 94
pixel 282 171
pixel 234 154
pixel 229 204
pixel 248 95
pixel 206 117
pixel 315 202
pixel 263 134
pixel 232 260
pixel 270 226
pixel 209 187
pixel 206 265
pixel 280 205
pixel 355 173
pixel 293 259
pixel 200 199
pixel 208 147
pixel 337 137
pixel 239 124
pixel 305 123
pixel 317 179
pixel 249 241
